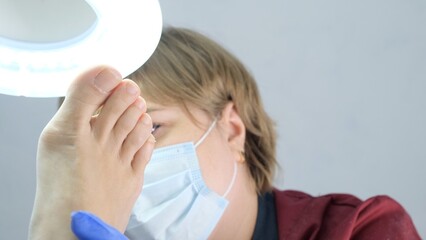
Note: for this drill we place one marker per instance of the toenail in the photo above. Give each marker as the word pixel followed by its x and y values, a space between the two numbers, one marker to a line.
pixel 152 139
pixel 131 89
pixel 140 103
pixel 146 119
pixel 107 80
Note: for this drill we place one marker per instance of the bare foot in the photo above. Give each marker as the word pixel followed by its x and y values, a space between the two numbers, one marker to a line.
pixel 92 163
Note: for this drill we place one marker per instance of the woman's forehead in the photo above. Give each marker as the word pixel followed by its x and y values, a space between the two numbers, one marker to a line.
pixel 155 107
pixel 176 107
pixel 187 112
pixel 164 112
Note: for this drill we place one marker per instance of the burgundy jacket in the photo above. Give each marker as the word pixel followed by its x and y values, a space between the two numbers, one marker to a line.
pixel 341 216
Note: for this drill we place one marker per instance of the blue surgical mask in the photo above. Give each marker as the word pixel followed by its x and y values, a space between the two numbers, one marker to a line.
pixel 175 202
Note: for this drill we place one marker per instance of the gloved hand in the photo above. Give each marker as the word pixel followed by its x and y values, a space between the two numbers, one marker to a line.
pixel 87 226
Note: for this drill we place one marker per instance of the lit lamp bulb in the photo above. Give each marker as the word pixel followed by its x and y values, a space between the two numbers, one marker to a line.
pixel 44 44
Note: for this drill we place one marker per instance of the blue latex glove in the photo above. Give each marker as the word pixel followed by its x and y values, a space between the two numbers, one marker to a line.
pixel 87 226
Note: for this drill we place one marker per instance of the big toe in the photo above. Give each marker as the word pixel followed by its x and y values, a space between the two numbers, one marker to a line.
pixel 88 92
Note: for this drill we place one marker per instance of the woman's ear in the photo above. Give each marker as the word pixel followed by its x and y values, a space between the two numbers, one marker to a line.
pixel 233 128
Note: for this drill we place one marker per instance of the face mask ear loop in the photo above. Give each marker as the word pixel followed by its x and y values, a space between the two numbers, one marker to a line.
pixel 206 134
pixel 232 181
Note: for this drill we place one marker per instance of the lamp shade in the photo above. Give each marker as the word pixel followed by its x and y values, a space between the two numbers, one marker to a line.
pixel 45 44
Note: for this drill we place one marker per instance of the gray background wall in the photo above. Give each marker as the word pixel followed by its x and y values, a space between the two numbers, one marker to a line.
pixel 344 80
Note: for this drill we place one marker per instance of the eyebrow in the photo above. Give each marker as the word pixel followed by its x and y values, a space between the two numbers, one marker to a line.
pixel 153 109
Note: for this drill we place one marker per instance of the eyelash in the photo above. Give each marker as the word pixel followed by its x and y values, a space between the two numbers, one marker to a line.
pixel 154 127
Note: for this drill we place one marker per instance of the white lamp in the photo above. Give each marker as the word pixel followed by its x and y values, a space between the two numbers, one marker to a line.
pixel 44 44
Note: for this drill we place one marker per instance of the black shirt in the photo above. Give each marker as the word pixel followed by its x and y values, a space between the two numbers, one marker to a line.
pixel 266 222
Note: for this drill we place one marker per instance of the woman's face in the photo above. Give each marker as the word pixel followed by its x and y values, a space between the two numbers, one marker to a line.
pixel 172 125
pixel 218 156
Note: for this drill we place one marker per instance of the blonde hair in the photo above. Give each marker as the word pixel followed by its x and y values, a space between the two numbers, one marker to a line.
pixel 187 67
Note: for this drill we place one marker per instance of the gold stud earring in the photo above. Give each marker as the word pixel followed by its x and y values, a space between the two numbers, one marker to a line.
pixel 242 157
